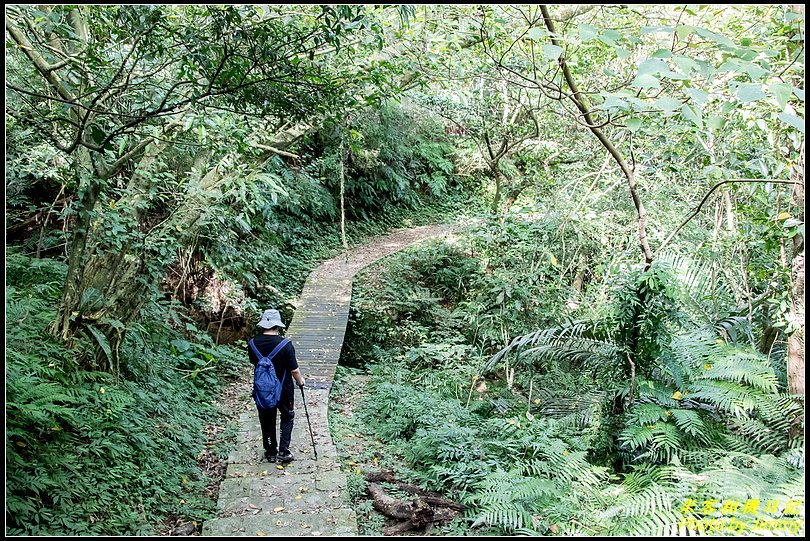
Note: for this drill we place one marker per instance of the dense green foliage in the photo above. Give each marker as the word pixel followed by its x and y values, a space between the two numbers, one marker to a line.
pixel 621 333
pixel 92 454
pixel 547 436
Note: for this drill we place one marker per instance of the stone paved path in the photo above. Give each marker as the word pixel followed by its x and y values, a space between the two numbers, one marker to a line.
pixel 307 497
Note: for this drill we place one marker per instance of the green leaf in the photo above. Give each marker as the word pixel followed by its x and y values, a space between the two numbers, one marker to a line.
pixel 552 52
pixel 749 92
pixel 662 53
pixel 652 66
pixel 685 64
pixel 793 120
pixel 668 104
pixel 646 81
pixel 715 122
pixel 621 52
pixel 633 124
pixel 611 35
pixel 782 92
pixel 690 114
pixel 587 32
pixel 706 69
pixel 675 76
pixel 612 101
pixel 181 345
pixel 101 340
pixel 754 71
pixel 536 33
pixel 698 96
pixel 717 38
pixel 683 30
pixel 654 29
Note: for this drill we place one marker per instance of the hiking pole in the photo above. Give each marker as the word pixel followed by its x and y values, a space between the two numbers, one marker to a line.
pixel 304 400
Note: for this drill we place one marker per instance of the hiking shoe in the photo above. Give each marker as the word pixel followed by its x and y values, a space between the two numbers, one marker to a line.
pixel 285 457
pixel 271 457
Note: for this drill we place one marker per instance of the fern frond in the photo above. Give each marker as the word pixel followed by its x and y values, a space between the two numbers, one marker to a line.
pixel 577 340
pixel 735 330
pixel 690 422
pixel 742 367
pixel 581 407
pixel 703 285
pixel 648 413
pixel 649 500
pixel 728 396
pixel 506 499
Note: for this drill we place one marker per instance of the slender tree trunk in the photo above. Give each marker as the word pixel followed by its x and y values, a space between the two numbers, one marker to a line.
pixel 513 194
pixel 729 211
pixel 72 292
pixel 500 182
pixel 579 101
pixel 795 361
pixel 342 194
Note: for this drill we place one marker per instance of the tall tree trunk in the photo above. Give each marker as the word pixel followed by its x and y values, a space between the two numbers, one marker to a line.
pixel 342 174
pixel 72 292
pixel 795 361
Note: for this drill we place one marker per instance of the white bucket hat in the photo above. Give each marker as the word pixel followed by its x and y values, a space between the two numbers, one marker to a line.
pixel 270 319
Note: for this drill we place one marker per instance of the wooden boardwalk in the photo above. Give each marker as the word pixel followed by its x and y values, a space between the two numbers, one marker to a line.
pixel 306 497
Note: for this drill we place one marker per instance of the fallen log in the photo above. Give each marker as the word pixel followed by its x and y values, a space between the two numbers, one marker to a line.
pixel 387 505
pixel 420 513
pixel 430 498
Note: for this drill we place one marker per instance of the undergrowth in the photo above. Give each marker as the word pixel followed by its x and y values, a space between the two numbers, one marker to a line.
pixel 498 382
pixel 92 453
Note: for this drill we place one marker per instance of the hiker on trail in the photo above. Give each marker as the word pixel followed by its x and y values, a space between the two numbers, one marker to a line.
pixel 286 369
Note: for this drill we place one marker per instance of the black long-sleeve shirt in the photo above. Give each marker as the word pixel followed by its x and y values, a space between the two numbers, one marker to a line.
pixel 284 361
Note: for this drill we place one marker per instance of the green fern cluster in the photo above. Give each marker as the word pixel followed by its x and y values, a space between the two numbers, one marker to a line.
pixel 91 454
pixel 719 394
pixel 706 396
pixel 602 426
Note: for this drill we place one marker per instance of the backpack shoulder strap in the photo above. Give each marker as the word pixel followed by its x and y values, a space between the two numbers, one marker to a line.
pixel 255 349
pixel 273 353
pixel 278 348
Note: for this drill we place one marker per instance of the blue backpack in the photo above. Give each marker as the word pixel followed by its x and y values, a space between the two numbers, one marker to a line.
pixel 266 386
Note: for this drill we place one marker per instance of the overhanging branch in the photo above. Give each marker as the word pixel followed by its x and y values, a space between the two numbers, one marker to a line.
pixel 705 197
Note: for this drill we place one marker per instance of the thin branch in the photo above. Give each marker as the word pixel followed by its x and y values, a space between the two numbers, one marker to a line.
pixel 705 197
pixel 277 151
pixel 38 60
pixel 581 104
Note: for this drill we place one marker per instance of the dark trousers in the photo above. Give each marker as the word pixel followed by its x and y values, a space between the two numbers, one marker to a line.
pixel 267 418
